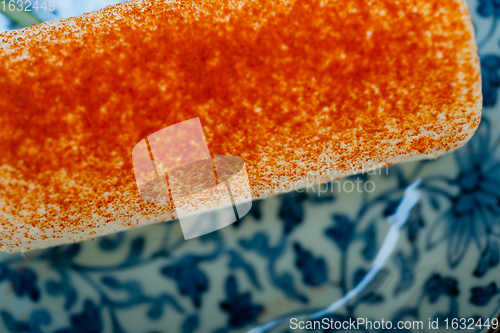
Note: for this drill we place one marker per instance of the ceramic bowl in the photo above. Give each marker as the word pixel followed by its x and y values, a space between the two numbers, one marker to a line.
pixel 414 244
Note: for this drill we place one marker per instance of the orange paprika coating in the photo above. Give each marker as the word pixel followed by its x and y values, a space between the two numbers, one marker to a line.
pixel 293 87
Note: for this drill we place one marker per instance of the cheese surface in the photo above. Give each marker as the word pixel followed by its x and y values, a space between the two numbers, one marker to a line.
pixel 305 91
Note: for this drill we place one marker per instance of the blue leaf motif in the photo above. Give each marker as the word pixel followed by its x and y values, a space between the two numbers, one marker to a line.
pixel 490 65
pixel 437 286
pixel 13 325
pixel 191 281
pixel 89 321
pixel 482 295
pixel 240 308
pixel 111 242
pixel 155 311
pixel 111 282
pixel 358 276
pixel 391 207
pixel 371 298
pixel 190 324
pixel 136 249
pixel 63 288
pixel 259 243
pixel 342 233
pixel 62 257
pixel 157 304
pixel 314 271
pixel 414 223
pixel 37 319
pixel 489 259
pixel 284 281
pixel 406 265
pixel 236 261
pixel 487 8
pixel 291 211
pixel 370 237
pixel 24 282
pixel 434 201
pixel 368 295
pixel 133 289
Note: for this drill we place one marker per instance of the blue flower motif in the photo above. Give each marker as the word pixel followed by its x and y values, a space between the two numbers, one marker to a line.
pixel 191 281
pixel 474 213
pixel 240 308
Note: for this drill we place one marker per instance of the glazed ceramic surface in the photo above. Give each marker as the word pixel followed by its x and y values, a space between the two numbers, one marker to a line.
pixel 418 242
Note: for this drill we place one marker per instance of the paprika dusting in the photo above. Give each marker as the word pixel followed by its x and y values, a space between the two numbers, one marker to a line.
pixel 297 88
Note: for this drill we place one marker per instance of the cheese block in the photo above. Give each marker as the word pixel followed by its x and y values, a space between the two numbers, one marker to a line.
pixel 304 91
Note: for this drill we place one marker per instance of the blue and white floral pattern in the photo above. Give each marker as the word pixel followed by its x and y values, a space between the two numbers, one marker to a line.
pixel 296 255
